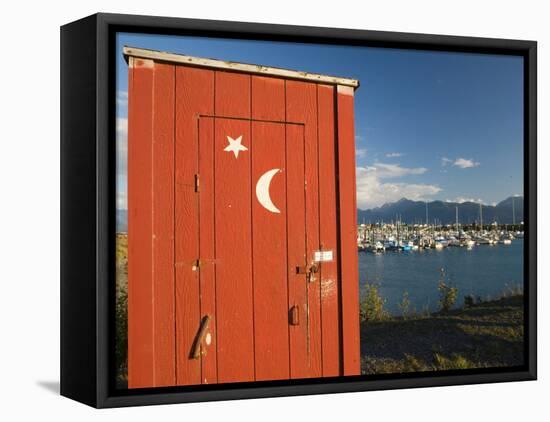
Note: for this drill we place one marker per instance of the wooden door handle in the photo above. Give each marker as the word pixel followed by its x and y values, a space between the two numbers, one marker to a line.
pixel 196 353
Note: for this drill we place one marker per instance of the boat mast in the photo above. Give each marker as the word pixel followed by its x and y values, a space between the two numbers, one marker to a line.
pixel 456 210
pixel 426 213
pixel 480 217
pixel 513 211
pixel 397 224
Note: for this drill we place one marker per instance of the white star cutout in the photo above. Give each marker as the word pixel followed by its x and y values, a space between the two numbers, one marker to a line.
pixel 235 146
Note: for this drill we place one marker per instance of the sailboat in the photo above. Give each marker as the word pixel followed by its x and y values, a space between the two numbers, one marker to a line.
pixel 453 239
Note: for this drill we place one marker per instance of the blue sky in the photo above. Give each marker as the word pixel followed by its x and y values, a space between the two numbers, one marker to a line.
pixel 429 125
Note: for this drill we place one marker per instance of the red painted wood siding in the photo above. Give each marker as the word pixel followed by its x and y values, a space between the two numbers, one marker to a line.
pixel 328 232
pixel 348 233
pixel 269 246
pixel 234 289
pixel 207 250
pixel 269 237
pixel 140 228
pixel 151 334
pixel 296 224
pixel 194 94
pixel 246 279
pixel 163 225
pixel 301 102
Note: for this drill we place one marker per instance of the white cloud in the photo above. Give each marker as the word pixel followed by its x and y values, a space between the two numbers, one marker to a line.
pixel 462 199
pixel 122 145
pixel 122 98
pixel 122 126
pixel 464 163
pixel 361 152
pixel 387 171
pixel 121 200
pixel 121 162
pixel 374 191
pixel 394 154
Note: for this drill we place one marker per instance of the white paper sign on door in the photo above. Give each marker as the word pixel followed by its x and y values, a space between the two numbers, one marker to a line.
pixel 323 256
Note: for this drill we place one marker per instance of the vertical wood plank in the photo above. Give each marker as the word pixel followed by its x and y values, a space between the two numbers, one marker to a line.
pixel 232 95
pixel 207 247
pixel 194 95
pixel 234 284
pixel 296 222
pixel 140 266
pixel 328 228
pixel 163 226
pixel 301 102
pixel 268 98
pixel 269 255
pixel 348 232
pixel 233 221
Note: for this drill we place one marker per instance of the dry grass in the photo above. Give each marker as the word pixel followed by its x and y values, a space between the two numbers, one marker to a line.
pixel 121 309
pixel 488 334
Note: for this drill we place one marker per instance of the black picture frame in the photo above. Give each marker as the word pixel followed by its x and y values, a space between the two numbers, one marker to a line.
pixel 88 208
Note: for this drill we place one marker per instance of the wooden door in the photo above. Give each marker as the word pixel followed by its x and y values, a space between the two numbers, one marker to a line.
pixel 254 274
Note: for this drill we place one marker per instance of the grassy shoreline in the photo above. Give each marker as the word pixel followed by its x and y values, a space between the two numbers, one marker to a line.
pixel 486 334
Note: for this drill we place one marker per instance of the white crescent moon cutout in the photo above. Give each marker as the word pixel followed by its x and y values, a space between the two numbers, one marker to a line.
pixel 262 190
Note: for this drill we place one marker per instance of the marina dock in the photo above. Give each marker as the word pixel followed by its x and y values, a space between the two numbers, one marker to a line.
pixel 396 236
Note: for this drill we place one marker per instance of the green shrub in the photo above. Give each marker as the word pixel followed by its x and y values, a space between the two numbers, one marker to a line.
pixel 469 301
pixel 405 305
pixel 372 304
pixel 447 293
pixel 121 308
pixel 121 335
pixel 425 312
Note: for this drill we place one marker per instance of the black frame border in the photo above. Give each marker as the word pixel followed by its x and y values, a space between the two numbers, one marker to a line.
pixel 88 208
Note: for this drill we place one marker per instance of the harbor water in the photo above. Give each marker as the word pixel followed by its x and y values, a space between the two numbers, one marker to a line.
pixel 483 271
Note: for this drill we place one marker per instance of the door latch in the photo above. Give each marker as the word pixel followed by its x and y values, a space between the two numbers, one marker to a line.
pixel 294 315
pixel 309 271
pixel 197 344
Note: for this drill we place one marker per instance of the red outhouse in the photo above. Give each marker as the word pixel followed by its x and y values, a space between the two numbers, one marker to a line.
pixel 241 223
